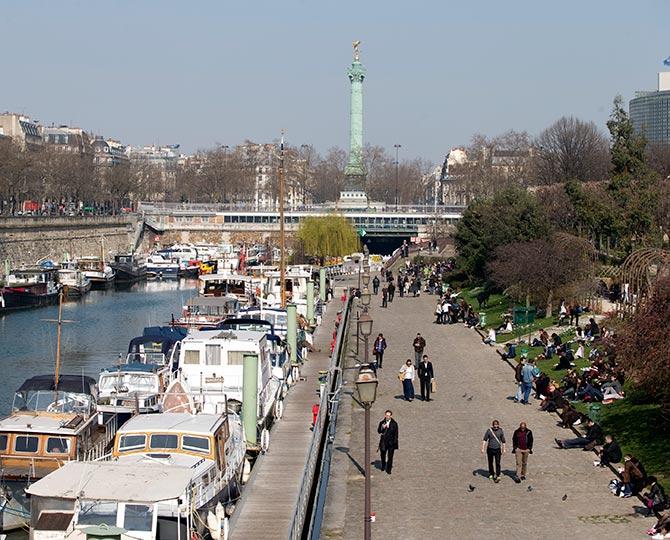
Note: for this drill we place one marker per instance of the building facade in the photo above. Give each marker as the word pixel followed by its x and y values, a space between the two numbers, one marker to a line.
pixel 67 139
pixel 650 112
pixel 22 130
pixel 108 152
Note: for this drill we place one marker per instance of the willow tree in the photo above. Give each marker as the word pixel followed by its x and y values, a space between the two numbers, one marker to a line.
pixel 328 236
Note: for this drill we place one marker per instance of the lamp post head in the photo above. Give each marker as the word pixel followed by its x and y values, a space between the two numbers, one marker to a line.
pixel 365 324
pixel 366 386
pixel 365 278
pixel 365 295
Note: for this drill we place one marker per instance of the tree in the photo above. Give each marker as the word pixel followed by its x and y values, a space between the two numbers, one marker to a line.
pixel 642 347
pixel 632 184
pixel 570 149
pixel 511 215
pixel 543 269
pixel 328 236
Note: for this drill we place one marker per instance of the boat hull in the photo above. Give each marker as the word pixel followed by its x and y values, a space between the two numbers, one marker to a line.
pixel 101 284
pixel 16 299
pixel 15 506
pixel 77 291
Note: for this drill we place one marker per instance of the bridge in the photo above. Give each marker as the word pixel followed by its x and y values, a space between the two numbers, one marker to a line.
pixel 380 223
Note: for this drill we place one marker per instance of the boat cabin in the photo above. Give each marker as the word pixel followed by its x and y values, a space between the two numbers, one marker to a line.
pixel 211 363
pixel 208 310
pixel 244 288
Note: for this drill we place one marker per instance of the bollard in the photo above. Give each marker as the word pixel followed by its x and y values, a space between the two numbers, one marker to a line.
pixel 292 331
pixel 250 397
pixel 310 302
pixel 322 284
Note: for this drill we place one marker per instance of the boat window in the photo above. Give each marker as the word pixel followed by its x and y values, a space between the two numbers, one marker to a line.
pixel 97 513
pixel 212 355
pixel 191 357
pixel 58 445
pixel 132 442
pixel 164 441
pixel 3 443
pixel 25 443
pixel 236 358
pixel 195 444
pixel 138 517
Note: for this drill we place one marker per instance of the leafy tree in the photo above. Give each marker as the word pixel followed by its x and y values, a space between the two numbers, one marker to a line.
pixel 511 215
pixel 328 236
pixel 632 183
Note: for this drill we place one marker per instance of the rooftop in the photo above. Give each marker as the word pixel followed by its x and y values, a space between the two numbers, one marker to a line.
pixel 237 335
pixel 114 481
pixel 205 424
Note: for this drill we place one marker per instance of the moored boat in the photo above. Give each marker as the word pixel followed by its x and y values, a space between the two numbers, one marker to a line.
pixel 101 275
pixel 30 287
pixel 161 267
pixel 74 281
pixel 128 268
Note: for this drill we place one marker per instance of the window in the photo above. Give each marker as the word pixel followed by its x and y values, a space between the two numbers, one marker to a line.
pixel 25 443
pixel 3 443
pixel 132 442
pixel 195 444
pixel 97 513
pixel 58 445
pixel 191 357
pixel 138 517
pixel 212 355
pixel 170 442
pixel 236 358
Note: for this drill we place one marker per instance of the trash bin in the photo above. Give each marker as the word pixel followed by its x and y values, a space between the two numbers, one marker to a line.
pixel 482 320
pixel 594 412
pixel 523 315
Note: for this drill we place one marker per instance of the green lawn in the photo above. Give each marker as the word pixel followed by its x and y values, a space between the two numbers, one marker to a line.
pixel 641 432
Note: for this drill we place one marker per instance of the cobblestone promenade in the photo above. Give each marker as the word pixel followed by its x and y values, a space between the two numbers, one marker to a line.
pixel 427 496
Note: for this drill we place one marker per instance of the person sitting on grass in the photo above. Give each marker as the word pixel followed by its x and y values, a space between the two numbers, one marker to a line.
pixel 593 434
pixel 662 527
pixel 491 338
pixel 609 453
pixel 542 386
pixel 506 327
pixel 633 477
pixel 612 389
pixel 655 499
pixel 565 358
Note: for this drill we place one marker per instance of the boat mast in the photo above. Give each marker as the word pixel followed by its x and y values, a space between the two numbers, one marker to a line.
pixel 58 333
pixel 282 232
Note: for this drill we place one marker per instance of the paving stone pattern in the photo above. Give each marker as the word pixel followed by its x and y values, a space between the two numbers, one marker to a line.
pixel 427 495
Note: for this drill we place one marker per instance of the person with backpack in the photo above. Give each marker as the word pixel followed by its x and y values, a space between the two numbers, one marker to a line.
pixel 493 444
pixel 655 499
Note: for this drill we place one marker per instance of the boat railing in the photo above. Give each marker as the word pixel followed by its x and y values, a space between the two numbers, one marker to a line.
pixel 145 358
pixel 103 443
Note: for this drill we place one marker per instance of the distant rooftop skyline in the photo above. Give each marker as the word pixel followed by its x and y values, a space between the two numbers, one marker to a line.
pixel 207 73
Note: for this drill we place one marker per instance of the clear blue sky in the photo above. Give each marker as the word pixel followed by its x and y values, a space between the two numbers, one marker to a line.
pixel 206 72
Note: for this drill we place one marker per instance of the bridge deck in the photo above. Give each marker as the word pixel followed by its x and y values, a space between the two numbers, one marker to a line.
pixel 267 505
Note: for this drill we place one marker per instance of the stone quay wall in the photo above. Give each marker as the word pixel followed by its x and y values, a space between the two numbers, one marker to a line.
pixel 25 240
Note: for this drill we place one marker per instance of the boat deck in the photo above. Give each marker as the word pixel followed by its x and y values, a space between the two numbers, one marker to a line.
pixel 267 505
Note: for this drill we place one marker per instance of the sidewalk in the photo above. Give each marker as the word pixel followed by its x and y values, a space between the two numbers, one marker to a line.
pixel 427 495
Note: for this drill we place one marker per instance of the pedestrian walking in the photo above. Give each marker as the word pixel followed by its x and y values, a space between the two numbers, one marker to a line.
pixel 378 347
pixel 522 445
pixel 401 289
pixel 419 345
pixel 385 296
pixel 388 441
pixel 391 289
pixel 493 444
pixel 406 375
pixel 426 376
pixel 375 285
pixel 527 378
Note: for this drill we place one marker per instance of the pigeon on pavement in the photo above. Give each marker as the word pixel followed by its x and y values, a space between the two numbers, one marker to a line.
pixel 530 488
pixel 471 488
pixel 564 497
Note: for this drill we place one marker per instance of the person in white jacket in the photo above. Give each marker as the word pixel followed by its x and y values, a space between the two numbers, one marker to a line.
pixel 406 375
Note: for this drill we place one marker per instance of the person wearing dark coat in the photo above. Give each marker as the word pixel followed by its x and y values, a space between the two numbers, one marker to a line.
pixel 522 445
pixel 388 441
pixel 375 285
pixel 426 376
pixel 610 453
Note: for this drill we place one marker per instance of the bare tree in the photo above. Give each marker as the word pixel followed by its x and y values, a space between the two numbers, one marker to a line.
pixel 570 149
pixel 658 159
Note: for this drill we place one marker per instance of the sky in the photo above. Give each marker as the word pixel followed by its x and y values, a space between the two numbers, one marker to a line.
pixel 205 72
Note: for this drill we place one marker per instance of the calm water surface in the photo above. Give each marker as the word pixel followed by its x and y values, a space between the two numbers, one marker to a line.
pixel 105 321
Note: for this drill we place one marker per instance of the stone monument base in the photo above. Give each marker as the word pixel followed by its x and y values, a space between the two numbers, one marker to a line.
pixel 350 198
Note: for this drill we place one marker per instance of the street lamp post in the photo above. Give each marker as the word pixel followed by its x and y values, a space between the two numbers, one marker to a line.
pixel 397 164
pixel 365 324
pixel 366 388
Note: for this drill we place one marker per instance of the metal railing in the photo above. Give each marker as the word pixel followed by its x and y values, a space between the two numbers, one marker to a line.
pixel 301 512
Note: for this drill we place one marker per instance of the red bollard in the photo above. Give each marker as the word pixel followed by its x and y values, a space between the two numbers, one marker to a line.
pixel 315 413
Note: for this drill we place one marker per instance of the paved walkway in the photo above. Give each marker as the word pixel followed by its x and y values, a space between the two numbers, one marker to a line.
pixel 266 508
pixel 427 495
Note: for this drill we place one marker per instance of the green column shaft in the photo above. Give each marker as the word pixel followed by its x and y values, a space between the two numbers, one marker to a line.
pixel 292 331
pixel 356 121
pixel 322 284
pixel 310 301
pixel 250 396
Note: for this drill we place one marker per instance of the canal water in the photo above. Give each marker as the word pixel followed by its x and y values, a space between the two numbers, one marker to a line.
pixel 103 324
